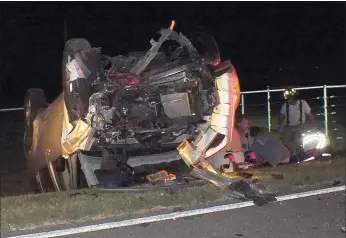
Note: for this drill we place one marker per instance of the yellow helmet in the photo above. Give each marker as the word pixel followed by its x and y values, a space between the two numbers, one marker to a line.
pixel 290 92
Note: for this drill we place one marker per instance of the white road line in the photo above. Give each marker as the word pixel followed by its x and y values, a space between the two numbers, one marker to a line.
pixel 171 216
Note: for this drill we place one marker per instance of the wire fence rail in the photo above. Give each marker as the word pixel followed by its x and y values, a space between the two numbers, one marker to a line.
pixel 269 102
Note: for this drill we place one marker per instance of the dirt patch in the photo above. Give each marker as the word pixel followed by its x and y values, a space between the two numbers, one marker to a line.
pixel 15 185
pixel 295 177
pixel 38 210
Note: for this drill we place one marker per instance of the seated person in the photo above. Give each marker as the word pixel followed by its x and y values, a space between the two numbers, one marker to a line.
pixel 268 148
pixel 242 125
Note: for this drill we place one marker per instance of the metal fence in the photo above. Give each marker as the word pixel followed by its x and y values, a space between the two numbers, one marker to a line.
pixel 269 102
pixel 324 96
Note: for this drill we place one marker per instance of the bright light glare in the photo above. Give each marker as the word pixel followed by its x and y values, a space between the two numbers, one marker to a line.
pixel 313 138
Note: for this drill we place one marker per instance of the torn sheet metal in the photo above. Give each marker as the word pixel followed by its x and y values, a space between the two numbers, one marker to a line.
pixel 76 136
pixel 185 151
pixel 218 180
pixel 221 122
pixel 143 63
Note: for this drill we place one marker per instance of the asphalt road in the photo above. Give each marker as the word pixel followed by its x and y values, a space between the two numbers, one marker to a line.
pixel 317 216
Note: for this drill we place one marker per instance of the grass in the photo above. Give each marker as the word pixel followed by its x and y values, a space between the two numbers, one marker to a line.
pixel 21 209
pixel 30 211
pixel 39 210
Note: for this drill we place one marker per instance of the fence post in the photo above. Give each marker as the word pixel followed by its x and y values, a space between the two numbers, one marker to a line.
pixel 242 104
pixel 268 107
pixel 325 107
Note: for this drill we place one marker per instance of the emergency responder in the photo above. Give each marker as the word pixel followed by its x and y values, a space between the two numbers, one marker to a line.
pixel 292 117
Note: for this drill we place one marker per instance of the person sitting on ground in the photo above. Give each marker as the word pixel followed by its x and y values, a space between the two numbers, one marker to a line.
pixel 242 125
pixel 268 148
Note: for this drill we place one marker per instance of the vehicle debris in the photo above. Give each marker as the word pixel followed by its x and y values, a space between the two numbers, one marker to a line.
pixel 238 234
pixel 161 177
pixel 249 191
pixel 277 176
pixel 336 183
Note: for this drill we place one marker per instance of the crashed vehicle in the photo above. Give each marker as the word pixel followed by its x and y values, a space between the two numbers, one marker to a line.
pixel 174 102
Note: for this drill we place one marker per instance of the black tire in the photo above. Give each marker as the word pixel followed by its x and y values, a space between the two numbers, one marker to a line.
pixel 34 101
pixel 76 93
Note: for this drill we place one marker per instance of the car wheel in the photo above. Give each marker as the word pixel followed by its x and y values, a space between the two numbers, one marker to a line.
pixel 34 101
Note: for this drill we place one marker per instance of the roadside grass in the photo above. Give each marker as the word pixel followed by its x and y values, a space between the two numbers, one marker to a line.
pixel 22 209
pixel 31 211
pixel 40 210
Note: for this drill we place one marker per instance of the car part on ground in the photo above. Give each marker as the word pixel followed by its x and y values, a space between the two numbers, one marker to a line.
pixel 161 177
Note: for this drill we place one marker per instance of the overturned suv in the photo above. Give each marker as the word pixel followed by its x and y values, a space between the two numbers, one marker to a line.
pixel 119 113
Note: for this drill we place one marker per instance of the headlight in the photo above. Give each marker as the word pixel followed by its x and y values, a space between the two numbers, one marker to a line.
pixel 315 141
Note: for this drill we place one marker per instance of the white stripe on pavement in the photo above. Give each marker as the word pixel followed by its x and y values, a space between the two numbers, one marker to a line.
pixel 171 216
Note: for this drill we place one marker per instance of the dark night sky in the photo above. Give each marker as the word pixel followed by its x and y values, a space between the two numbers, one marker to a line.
pixel 259 38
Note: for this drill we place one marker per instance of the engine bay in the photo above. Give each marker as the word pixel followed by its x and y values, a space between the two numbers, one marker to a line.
pixel 148 101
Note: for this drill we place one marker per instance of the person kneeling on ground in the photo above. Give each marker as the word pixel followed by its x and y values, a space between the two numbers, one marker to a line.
pixel 268 148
